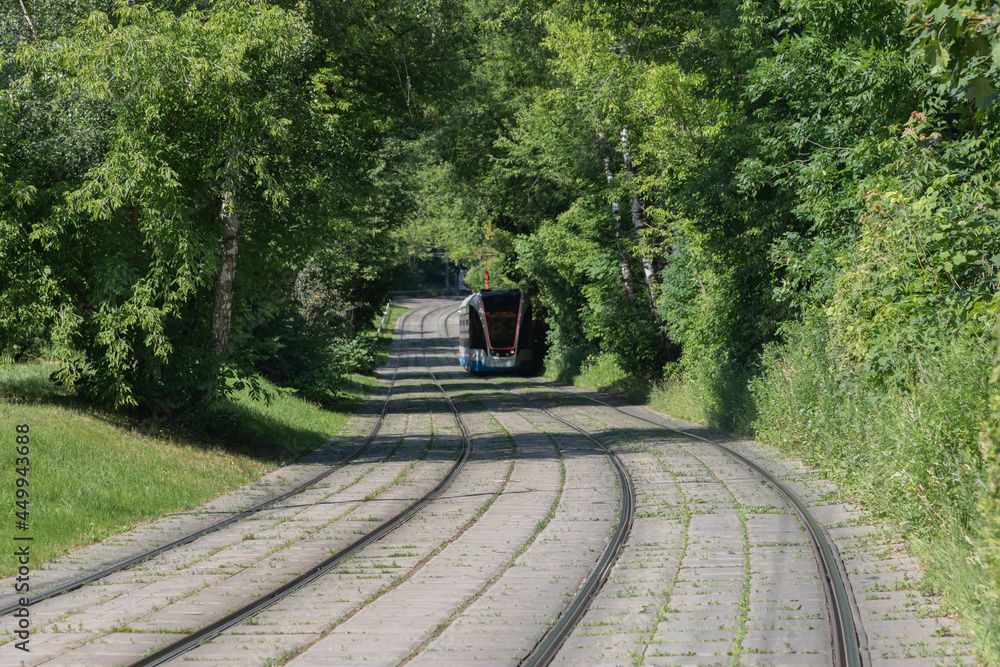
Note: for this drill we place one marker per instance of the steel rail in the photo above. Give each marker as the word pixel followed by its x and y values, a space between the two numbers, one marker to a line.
pixel 843 626
pixel 218 525
pixel 209 631
pixel 550 643
pixel 546 648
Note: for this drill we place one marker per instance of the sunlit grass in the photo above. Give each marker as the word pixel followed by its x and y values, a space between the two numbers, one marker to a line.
pixel 679 399
pixel 89 478
pixel 604 374
pixel 385 340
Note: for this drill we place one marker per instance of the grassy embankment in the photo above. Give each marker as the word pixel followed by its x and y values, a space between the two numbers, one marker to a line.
pixel 604 374
pixel 908 453
pixel 94 473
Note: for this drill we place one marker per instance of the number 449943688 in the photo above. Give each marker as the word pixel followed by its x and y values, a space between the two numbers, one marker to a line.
pixel 22 466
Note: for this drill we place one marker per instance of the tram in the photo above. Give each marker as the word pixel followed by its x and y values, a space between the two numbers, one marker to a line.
pixel 495 332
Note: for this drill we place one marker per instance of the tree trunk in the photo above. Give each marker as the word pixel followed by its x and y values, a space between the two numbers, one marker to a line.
pixel 639 223
pixel 617 223
pixel 622 257
pixel 222 307
pixel 638 215
pixel 27 17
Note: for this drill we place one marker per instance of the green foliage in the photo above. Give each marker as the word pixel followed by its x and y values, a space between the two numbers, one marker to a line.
pixel 554 259
pixel 989 501
pixel 960 41
pixel 603 373
pixel 44 19
pixel 910 449
pixel 624 329
pixel 579 284
pixel 316 340
pixel 921 270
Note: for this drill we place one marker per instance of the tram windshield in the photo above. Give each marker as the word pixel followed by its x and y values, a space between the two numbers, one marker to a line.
pixel 501 318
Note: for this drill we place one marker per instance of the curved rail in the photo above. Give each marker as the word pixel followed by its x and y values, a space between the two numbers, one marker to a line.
pixel 845 635
pixel 846 638
pixel 218 525
pixel 209 631
pixel 550 643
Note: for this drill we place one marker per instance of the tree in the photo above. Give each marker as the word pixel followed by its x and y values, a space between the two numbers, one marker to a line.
pixel 188 125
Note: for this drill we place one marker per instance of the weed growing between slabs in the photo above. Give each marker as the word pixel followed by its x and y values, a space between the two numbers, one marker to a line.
pixel 95 473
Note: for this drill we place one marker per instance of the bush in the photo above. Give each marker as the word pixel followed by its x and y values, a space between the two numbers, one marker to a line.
pixel 910 450
pixel 352 355
pixel 291 352
pixel 989 501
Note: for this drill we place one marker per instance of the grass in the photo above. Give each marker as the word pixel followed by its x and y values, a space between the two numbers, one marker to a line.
pixel 385 340
pixel 705 394
pixel 90 477
pixel 283 430
pixel 94 473
pixel 702 390
pixel 681 400
pixel 604 374
pixel 289 427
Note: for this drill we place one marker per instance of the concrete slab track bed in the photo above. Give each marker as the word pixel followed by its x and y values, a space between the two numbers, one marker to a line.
pixel 717 568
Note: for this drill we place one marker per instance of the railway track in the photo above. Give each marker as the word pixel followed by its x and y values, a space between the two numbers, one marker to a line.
pixel 231 518
pixel 548 645
pixel 542 432
pixel 262 603
pixel 207 632
pixel 190 559
pixel 847 640
pixel 494 586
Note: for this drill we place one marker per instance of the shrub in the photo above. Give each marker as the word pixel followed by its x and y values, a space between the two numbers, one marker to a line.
pixel 989 500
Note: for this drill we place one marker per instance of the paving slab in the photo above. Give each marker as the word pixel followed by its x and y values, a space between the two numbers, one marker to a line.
pixel 716 564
